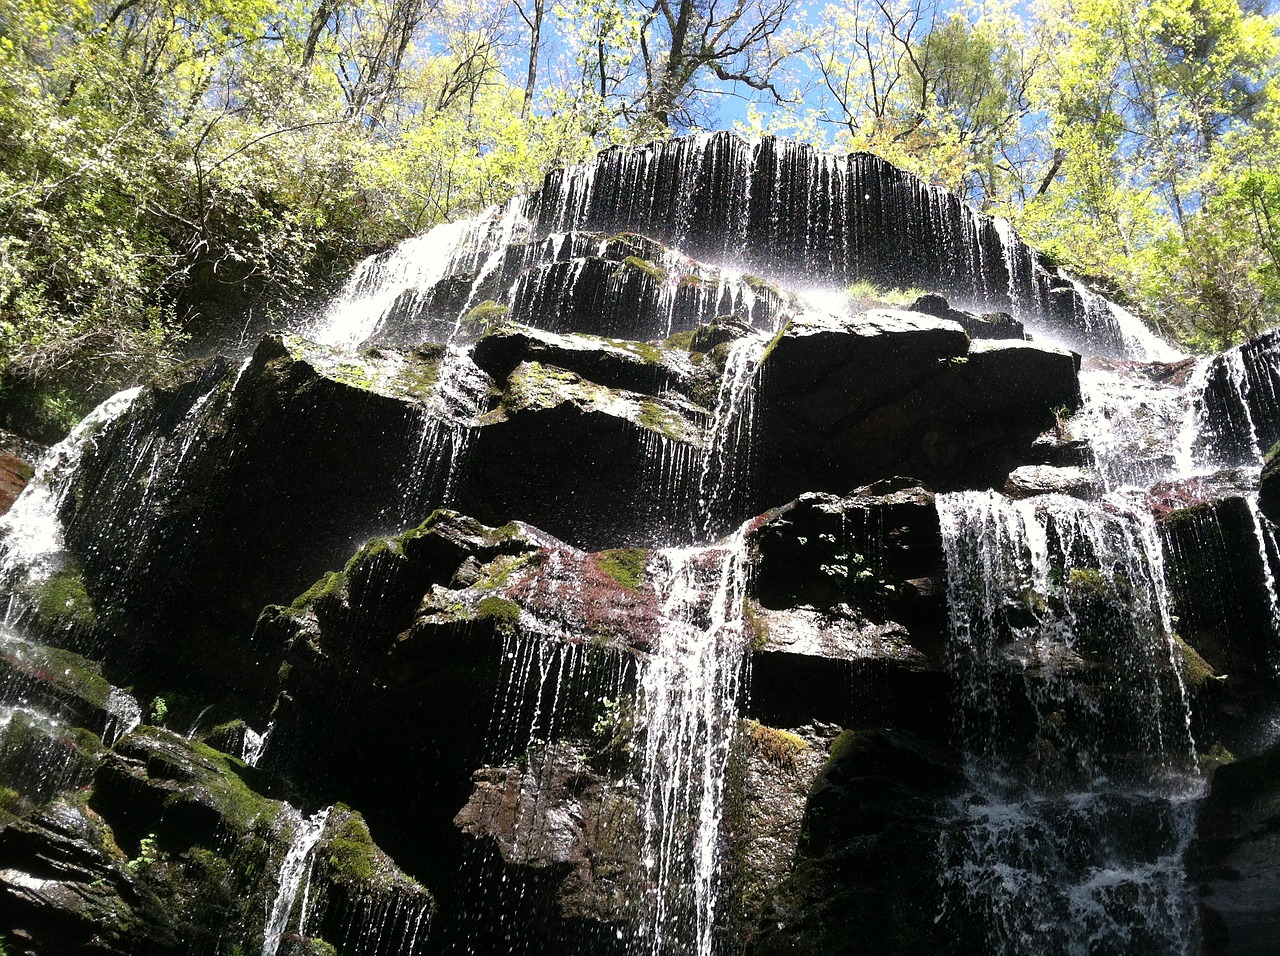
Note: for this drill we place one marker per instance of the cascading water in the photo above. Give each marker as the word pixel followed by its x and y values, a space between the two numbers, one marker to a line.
pixel 293 882
pixel 1074 724
pixel 31 532
pixel 688 706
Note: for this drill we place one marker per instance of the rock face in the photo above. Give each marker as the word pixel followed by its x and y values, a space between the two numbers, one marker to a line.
pixel 550 554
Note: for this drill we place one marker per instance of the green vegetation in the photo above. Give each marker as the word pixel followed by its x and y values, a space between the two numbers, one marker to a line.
pixel 505 613
pixel 625 565
pixel 653 271
pixel 1135 143
pixel 866 294
pixel 778 747
pixel 63 603
pixel 350 854
pixel 484 317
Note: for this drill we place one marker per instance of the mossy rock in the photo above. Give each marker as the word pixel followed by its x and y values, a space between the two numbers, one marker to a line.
pixel 626 566
pixel 62 601
pixel 483 317
pixel 645 266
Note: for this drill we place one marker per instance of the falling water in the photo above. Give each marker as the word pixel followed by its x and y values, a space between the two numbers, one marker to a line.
pixel 294 877
pixel 1084 786
pixel 689 691
pixel 726 458
pixel 31 532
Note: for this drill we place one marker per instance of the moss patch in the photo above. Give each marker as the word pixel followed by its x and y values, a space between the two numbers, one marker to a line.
pixel 779 747
pixel 484 317
pixel 505 612
pixel 625 565
pixel 62 601
pixel 350 853
pixel 652 270
pixel 1195 669
pixel 327 586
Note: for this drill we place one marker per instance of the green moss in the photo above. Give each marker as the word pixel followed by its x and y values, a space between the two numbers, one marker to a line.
pixel 62 601
pixel 773 342
pixel 658 418
pixel 417 379
pixel 781 748
pixel 1216 756
pixel 1088 581
pixel 755 282
pixel 237 803
pixel 841 745
pixel 1195 669
pixel 484 317
pixel 350 854
pixel 867 293
pixel 653 271
pixel 756 624
pixel 681 340
pixel 1271 454
pixel 325 587
pixel 355 374
pixel 505 613
pixel 625 565
pixel 650 354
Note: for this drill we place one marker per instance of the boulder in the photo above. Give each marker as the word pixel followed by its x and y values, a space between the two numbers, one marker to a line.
pixel 865 877
pixel 613 363
pixel 1030 480
pixel 1232 859
pixel 845 401
pixel 988 325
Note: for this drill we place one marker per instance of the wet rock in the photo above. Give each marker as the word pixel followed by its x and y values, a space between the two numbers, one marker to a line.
pixel 1224 606
pixel 1239 402
pixel 567 432
pixel 865 878
pixel 554 812
pixel 849 401
pixel 15 472
pixel 613 363
pixel 1233 857
pixel 1031 480
pixel 1269 486
pixel 1060 450
pixel 989 325
pixel 771 773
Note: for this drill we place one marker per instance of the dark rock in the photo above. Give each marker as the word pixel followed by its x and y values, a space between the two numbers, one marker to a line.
pixel 1269 486
pixel 567 432
pixel 554 812
pixel 849 401
pixel 1233 857
pixel 989 325
pixel 612 363
pixel 865 877
pixel 1060 451
pixel 770 775
pixel 1239 402
pixel 1224 606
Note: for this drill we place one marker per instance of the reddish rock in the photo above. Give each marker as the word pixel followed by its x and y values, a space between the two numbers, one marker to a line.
pixel 15 472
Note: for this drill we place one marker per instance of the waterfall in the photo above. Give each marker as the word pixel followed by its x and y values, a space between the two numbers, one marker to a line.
pixel 294 878
pixel 689 691
pixel 31 532
pixel 1084 785
pixel 726 458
